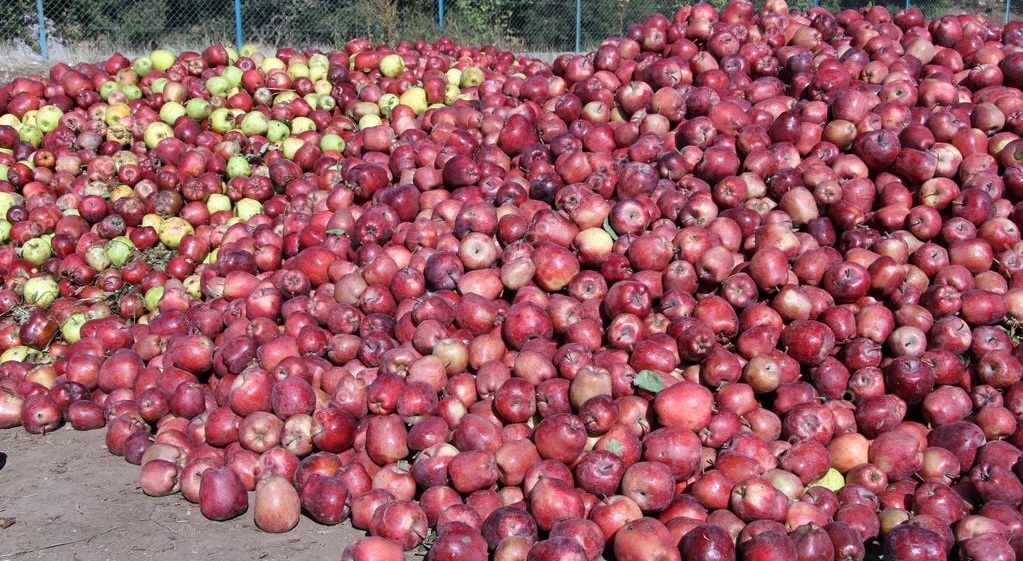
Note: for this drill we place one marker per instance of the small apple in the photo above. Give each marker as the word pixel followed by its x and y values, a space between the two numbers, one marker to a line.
pixel 832 480
pixel 300 125
pixel 254 123
pixel 331 141
pixel 217 202
pixel 247 208
pixel 291 145
pixel 471 77
pixel 143 65
pixel 277 131
pixel 171 111
pixel 218 86
pixel 233 75
pixel 198 108
pixel 392 65
pixel 238 166
pixel 415 98
pixel 156 132
pixel 48 118
pixel 162 59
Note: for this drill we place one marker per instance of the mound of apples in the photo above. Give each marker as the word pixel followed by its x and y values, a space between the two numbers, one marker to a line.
pixel 740 284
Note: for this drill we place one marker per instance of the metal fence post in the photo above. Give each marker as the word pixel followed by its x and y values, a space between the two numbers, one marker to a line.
pixel 578 25
pixel 1008 10
pixel 440 15
pixel 238 24
pixel 909 3
pixel 42 30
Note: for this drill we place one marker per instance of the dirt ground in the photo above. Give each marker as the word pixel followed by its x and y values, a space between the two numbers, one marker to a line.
pixel 73 500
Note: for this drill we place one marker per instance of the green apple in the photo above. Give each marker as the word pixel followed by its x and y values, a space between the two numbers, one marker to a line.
pixel 300 125
pixel 290 145
pixel 30 134
pixel 120 250
pixel 451 93
pixel 277 131
pixel 110 87
pixel 312 99
pixel 233 75
pixel 218 86
pixel 193 287
pixel 152 298
pixel 453 76
pixel 217 202
pixel 238 166
pixel 326 102
pixel 17 353
pixel 285 97
pixel 97 258
pixel 157 85
pixel 143 65
pixel 171 112
pixel 472 76
pixel 272 63
pixel 5 230
pixel 248 50
pixel 154 221
pixel 7 200
pixel 221 120
pixel 254 123
pixel 322 87
pixel 319 60
pixel 331 141
pixel 48 118
pixel 40 291
pixel 832 480
pixel 392 65
pixel 362 108
pixel 3 177
pixel 317 73
pixel 368 121
pixel 156 132
pixel 36 251
pixel 132 92
pixel 298 70
pixel 198 108
pixel 386 103
pixel 162 59
pixel 71 329
pixel 175 228
pixel 247 208
pixel 415 98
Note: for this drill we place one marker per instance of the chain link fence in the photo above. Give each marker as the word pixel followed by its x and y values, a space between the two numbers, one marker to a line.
pixel 84 29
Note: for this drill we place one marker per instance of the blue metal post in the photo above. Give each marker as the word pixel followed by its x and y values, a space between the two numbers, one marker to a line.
pixel 42 30
pixel 1008 10
pixel 440 15
pixel 909 3
pixel 238 24
pixel 578 25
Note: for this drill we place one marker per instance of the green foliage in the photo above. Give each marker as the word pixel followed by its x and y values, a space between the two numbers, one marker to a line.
pixel 17 20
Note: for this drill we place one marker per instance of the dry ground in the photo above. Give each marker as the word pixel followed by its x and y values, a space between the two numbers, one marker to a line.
pixel 74 501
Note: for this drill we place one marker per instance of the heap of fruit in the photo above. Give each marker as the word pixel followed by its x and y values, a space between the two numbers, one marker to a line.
pixel 738 284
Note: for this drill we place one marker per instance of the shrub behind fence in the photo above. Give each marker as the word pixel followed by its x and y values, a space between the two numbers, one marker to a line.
pixel 537 26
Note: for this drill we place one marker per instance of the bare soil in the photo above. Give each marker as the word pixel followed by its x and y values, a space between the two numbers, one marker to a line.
pixel 72 499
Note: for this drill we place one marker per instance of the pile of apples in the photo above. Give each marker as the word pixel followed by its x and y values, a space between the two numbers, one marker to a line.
pixel 740 284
